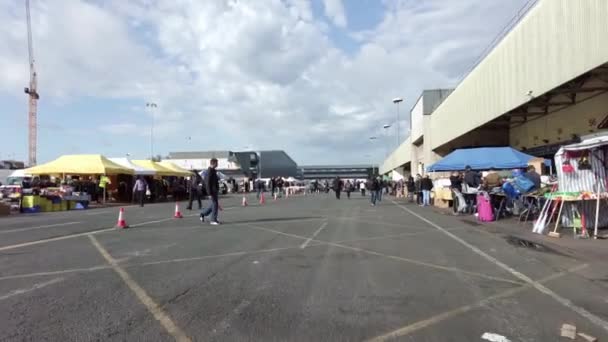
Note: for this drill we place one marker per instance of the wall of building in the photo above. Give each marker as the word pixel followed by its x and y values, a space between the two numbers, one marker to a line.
pixel 203 163
pixel 416 117
pixel 556 42
pixel 580 119
pixel 398 158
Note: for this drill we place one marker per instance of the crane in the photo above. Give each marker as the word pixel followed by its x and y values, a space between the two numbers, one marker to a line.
pixel 32 92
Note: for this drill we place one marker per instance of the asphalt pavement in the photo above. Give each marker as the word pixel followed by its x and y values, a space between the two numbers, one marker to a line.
pixel 304 268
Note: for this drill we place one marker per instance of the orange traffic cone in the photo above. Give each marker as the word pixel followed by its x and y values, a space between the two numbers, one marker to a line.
pixel 122 223
pixel 178 214
pixel 244 201
pixel 262 199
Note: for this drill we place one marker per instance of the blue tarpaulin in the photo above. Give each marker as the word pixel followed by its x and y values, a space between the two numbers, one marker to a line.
pixel 482 158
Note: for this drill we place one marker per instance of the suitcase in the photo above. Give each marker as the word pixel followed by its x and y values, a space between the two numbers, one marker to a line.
pixel 485 213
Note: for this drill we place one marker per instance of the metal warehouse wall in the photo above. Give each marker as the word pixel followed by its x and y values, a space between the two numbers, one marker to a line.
pixel 557 41
pixel 399 157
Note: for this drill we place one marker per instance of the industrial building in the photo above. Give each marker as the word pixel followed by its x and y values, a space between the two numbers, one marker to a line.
pixel 311 172
pixel 542 85
pixel 251 164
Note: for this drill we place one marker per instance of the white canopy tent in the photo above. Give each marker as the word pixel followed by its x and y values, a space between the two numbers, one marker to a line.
pixel 138 170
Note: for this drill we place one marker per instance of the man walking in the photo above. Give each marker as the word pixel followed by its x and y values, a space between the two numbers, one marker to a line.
pixel 348 187
pixel 139 190
pixel 196 182
pixel 273 186
pixel 212 184
pixel 258 187
pixel 373 187
pixel 337 187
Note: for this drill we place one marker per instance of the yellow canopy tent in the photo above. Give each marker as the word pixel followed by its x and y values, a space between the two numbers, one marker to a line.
pixel 170 165
pixel 160 169
pixel 80 164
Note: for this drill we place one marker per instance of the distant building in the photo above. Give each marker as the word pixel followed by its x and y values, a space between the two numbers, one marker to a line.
pixel 333 171
pixel 240 164
pixel 11 165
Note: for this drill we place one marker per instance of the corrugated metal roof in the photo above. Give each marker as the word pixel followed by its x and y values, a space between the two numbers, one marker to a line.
pixel 528 58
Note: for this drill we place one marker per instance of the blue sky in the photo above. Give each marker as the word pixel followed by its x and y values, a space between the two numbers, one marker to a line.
pixel 312 77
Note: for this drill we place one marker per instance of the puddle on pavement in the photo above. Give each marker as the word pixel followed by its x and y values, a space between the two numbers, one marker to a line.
pixel 523 243
pixel 471 223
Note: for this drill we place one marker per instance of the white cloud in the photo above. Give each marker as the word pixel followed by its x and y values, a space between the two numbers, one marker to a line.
pixel 120 129
pixel 234 73
pixel 334 10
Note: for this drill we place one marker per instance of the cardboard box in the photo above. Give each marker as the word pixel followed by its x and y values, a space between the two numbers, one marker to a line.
pixel 440 203
pixel 5 210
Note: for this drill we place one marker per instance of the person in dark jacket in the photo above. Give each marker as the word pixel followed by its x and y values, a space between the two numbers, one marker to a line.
pixel 273 186
pixel 471 178
pixel 417 189
pixel 533 176
pixel 411 188
pixel 456 181
pixel 195 184
pixel 212 184
pixel 373 186
pixel 338 187
pixel 426 185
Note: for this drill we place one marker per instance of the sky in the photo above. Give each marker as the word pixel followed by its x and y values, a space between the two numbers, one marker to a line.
pixel 315 78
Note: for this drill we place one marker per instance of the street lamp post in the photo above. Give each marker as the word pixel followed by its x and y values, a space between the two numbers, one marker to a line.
pixel 372 139
pixel 396 101
pixel 386 127
pixel 151 107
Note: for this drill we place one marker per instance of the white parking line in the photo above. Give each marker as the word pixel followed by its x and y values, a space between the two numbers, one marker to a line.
pixel 564 301
pixel 59 238
pixel 425 323
pixel 305 243
pixel 388 256
pixel 141 294
pixel 30 289
pixel 159 262
pixel 65 237
pixel 43 274
pixel 150 263
pixel 39 227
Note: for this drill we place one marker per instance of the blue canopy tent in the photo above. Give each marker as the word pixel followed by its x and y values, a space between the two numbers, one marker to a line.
pixel 482 158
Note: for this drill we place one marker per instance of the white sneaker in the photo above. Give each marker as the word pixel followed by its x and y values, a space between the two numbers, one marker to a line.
pixel 214 223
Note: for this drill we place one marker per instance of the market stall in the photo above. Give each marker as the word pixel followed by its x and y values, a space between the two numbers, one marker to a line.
pixel 483 158
pixel 581 170
pixel 125 182
pixel 67 195
pixel 179 171
pixel 167 180
pixel 480 159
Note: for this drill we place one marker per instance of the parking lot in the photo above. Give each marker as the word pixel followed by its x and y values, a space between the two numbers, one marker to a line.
pixel 305 268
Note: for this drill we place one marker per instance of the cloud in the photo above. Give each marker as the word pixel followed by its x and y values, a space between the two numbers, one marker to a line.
pixel 334 10
pixel 236 73
pixel 120 129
